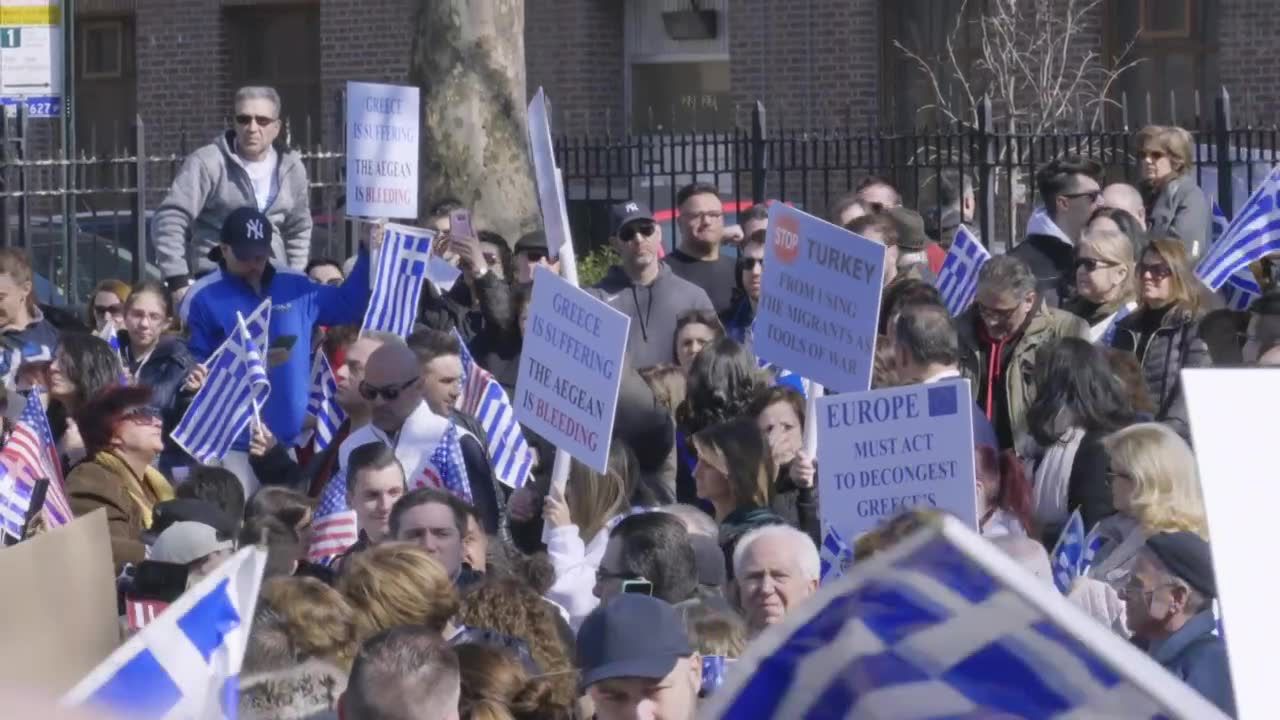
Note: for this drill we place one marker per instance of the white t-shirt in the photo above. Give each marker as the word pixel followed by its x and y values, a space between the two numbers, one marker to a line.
pixel 262 174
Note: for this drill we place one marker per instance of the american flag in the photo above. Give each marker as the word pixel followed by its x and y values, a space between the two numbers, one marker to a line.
pixel 398 278
pixel 445 468
pixel 943 625
pixel 323 404
pixel 231 395
pixel 1251 236
pixel 485 400
pixel 140 613
pixel 334 528
pixel 32 453
pixel 1242 288
pixel 958 278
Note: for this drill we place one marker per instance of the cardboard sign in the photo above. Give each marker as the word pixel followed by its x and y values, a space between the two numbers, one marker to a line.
pixel 571 368
pixel 547 176
pixel 819 300
pixel 1234 434
pixel 883 451
pixel 382 150
pixel 59 618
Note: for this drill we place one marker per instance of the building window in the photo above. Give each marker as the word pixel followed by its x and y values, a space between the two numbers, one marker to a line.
pixel 102 49
pixel 1164 19
pixel 678 81
pixel 922 28
pixel 1177 72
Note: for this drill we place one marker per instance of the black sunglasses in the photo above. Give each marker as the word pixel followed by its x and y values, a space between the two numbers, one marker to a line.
pixel 1091 264
pixel 534 256
pixel 145 413
pixel 1093 195
pixel 391 392
pixel 642 228
pixel 1157 271
pixel 749 263
pixel 261 120
pixel 101 310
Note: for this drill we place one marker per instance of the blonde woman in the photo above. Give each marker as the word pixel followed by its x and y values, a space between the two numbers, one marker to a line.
pixel 1175 205
pixel 580 523
pixel 1155 489
pixel 398 584
pixel 1104 261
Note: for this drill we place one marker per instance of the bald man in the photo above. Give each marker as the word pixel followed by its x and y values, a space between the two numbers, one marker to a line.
pixel 1125 197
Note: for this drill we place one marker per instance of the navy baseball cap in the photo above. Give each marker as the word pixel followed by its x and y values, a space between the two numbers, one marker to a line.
pixel 627 212
pixel 631 636
pixel 248 232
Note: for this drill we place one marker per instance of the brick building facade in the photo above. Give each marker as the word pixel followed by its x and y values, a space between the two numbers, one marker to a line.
pixel 608 66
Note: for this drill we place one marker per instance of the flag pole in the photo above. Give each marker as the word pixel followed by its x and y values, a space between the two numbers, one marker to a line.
pixel 569 271
pixel 811 421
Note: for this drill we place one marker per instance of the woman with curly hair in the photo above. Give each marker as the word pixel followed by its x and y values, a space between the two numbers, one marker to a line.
pixel 398 584
pixel 509 607
pixel 496 686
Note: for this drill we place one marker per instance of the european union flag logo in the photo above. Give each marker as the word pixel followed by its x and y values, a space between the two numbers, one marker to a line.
pixel 942 401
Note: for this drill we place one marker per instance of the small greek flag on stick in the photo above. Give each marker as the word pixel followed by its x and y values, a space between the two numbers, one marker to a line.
pixel 1073 554
pixel 484 399
pixel 322 404
pixel 397 280
pixel 185 663
pixel 232 393
pixel 958 278
pixel 835 555
pixel 1242 288
pixel 1252 235
pixel 258 323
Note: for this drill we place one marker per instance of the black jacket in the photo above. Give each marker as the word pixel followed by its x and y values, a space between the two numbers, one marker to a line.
pixel 489 331
pixel 164 372
pixel 277 468
pixel 797 505
pixel 486 493
pixel 1052 262
pixel 1087 487
pixel 1175 344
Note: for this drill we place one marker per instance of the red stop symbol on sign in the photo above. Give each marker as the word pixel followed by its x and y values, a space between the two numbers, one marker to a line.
pixel 786 239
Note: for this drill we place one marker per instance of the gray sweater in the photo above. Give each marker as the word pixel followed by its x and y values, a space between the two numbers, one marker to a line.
pixel 208 187
pixel 653 310
pixel 1181 211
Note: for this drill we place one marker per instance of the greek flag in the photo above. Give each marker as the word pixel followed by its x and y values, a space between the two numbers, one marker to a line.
pixel 958 278
pixel 1241 289
pixel 835 555
pixel 485 400
pixel 1253 234
pixel 1073 553
pixel 942 625
pixel 111 334
pixel 185 663
pixel 258 323
pixel 322 404
pixel 231 396
pixel 398 278
pixel 15 502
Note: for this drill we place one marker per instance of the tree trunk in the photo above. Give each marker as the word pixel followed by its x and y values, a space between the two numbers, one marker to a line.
pixel 468 60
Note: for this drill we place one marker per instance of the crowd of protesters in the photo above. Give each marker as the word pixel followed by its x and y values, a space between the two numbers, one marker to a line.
pixel 625 595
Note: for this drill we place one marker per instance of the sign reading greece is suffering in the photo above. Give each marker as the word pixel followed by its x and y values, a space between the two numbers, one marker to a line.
pixel 570 368
pixel 382 150
pixel 883 451
pixel 819 300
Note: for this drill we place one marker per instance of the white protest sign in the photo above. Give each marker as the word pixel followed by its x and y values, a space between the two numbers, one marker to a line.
pixel 1233 427
pixel 571 368
pixel 819 300
pixel 547 176
pixel 382 150
pixel 883 451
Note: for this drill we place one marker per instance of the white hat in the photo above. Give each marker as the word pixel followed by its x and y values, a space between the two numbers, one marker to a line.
pixel 182 543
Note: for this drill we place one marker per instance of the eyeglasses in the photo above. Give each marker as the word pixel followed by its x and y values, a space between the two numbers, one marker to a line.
pixel 1157 271
pixel 1093 195
pixel 998 314
pixel 260 120
pixel 704 215
pixel 630 232
pixel 390 392
pixel 101 310
pixel 749 263
pixel 1091 264
pixel 145 414
pixel 534 256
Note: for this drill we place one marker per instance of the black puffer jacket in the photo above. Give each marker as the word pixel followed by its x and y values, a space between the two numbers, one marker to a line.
pixel 1175 344
pixel 164 372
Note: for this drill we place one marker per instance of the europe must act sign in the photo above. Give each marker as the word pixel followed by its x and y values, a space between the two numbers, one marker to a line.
pixel 819 300
pixel 884 451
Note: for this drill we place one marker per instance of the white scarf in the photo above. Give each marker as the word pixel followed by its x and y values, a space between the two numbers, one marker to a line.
pixel 418 438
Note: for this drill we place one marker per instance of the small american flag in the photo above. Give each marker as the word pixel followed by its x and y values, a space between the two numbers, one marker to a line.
pixel 334 528
pixel 958 278
pixel 32 453
pixel 445 468
pixel 323 404
pixel 485 400
pixel 140 613
pixel 398 278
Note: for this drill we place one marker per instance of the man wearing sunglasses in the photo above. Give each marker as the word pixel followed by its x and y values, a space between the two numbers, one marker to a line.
pixel 644 288
pixel 1070 191
pixel 530 252
pixel 239 168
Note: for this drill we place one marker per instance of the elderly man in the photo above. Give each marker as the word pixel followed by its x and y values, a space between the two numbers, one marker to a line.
pixel 1168 606
pixel 775 569
pixel 1123 196
pixel 1000 335
pixel 240 168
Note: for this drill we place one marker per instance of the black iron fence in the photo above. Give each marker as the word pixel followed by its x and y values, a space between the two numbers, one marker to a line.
pixel 112 197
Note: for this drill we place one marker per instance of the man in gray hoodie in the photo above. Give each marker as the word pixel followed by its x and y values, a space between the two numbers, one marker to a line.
pixel 240 168
pixel 645 289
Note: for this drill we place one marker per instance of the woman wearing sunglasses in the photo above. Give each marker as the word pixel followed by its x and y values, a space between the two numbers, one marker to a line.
pixel 106 304
pixel 1176 207
pixel 122 434
pixel 1104 260
pixel 1164 332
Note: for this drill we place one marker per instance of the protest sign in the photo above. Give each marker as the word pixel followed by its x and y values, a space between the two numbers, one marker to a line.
pixel 884 451
pixel 547 176
pixel 571 368
pixel 819 300
pixel 382 150
pixel 1235 451
pixel 60 617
